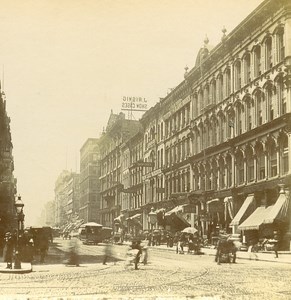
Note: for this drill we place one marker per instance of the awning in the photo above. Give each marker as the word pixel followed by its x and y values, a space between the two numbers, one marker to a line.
pixel 279 210
pixel 256 219
pixel 135 219
pixel 247 206
pixel 176 209
pixel 175 216
pixel 135 216
pixel 119 219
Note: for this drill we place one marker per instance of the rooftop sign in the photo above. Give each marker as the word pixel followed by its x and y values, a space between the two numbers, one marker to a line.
pixel 134 103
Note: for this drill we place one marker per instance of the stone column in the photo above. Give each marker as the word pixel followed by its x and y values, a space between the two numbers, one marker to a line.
pixel 266 165
pixel 233 169
pixel 255 169
pixel 245 170
pixel 278 161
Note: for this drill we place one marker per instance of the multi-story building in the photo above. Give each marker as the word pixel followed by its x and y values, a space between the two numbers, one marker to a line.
pixel 48 214
pixel 66 197
pixel 132 196
pixel 118 131
pixel 7 180
pixel 240 120
pixel 72 195
pixel 89 181
pixel 219 143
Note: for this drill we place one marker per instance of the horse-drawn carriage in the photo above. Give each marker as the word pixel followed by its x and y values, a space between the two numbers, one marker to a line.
pixel 225 250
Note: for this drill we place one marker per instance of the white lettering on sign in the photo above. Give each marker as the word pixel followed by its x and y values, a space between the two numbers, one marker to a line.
pixel 134 103
pixel 134 99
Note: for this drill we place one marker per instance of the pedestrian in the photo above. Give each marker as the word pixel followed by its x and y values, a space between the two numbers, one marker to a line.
pixel 43 246
pixel 8 249
pixel 73 254
pixel 181 243
pixel 276 243
pixel 136 245
pixel 107 253
pixel 252 251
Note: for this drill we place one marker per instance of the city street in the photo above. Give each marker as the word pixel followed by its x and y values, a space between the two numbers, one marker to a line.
pixel 168 275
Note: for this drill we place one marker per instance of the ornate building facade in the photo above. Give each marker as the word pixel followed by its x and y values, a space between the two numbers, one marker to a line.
pixel 89 181
pixel 218 146
pixel 215 152
pixel 118 131
pixel 66 198
pixel 7 180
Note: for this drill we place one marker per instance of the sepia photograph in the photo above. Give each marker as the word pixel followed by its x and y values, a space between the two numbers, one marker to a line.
pixel 145 149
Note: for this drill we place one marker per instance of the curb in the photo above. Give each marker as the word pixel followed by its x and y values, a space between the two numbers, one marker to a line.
pixel 211 252
pixel 25 268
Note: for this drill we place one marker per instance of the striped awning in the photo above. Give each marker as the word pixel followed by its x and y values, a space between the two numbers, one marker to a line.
pixel 256 219
pixel 177 209
pixel 248 203
pixel 279 210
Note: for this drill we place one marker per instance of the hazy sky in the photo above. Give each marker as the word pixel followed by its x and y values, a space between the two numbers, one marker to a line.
pixel 67 63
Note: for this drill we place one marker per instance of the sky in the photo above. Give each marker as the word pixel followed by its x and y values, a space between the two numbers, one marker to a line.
pixel 64 64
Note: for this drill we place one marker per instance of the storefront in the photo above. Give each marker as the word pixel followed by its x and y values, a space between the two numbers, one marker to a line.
pixel 264 221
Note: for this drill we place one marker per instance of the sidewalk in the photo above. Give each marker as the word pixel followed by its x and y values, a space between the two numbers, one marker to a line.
pixel 25 268
pixel 284 256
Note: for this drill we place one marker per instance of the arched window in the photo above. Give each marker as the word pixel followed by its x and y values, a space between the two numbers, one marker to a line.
pixel 280 96
pixel 196 179
pixel 284 155
pixel 188 150
pixel 273 167
pixel 200 101
pixel 260 163
pixel 237 75
pixel 195 105
pixel 177 150
pixel 183 144
pixel 202 177
pixel 229 170
pixel 222 125
pixel 247 68
pixel 249 115
pixel 250 165
pixel 214 175
pixel 280 49
pixel 206 95
pixel 240 167
pixel 196 142
pixel 212 96
pixel 268 53
pixel 214 131
pixel 260 109
pixel 222 180
pixel 240 110
pixel 257 61
pixel 227 82
pixel 208 177
pixel 220 88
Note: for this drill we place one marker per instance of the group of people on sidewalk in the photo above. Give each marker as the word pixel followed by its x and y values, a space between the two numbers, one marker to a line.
pixel 25 245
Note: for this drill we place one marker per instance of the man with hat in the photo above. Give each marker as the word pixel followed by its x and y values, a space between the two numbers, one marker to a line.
pixel 8 249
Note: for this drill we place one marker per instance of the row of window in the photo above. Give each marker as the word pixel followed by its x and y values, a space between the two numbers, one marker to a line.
pixel 252 65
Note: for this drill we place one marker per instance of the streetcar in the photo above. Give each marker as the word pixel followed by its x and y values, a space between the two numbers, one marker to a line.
pixel 94 233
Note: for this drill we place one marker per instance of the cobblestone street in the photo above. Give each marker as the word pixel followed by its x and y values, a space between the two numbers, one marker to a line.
pixel 168 275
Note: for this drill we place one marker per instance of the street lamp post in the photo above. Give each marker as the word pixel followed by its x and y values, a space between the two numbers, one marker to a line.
pixel 20 218
pixel 153 220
